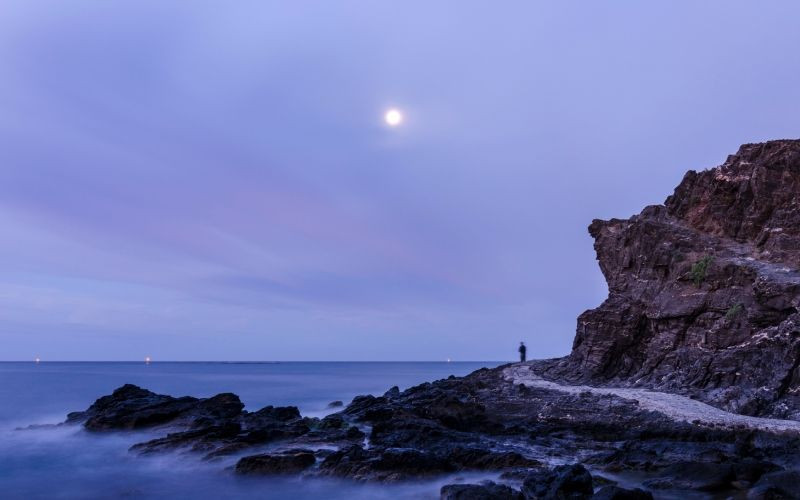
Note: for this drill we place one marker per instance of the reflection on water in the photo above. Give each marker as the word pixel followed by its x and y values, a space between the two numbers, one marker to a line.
pixel 66 462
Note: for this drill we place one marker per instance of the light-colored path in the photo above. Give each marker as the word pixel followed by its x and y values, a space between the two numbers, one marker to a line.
pixel 673 406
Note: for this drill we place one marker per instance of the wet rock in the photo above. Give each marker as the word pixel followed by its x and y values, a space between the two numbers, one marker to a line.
pixel 563 482
pixel 289 462
pixel 694 476
pixel 480 422
pixel 131 407
pixel 486 490
pixel 335 404
pixel 474 458
pixel 333 421
pixel 782 485
pixel 617 493
pixel 750 470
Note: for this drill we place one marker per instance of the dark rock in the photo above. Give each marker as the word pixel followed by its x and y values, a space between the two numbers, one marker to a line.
pixel 333 421
pixel 783 485
pixel 335 404
pixel 279 413
pixel 750 471
pixel 348 462
pixel 131 407
pixel 290 462
pixel 483 459
pixel 617 493
pixel 704 290
pixel 486 490
pixel 571 482
pixel 694 476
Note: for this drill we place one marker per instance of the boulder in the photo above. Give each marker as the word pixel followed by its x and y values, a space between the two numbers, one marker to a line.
pixel 568 482
pixel 487 490
pixel 697 476
pixel 289 462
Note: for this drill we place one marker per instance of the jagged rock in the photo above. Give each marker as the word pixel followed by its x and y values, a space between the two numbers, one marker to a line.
pixel 335 404
pixel 289 462
pixel 571 482
pixel 487 490
pixel 703 290
pixel 131 407
pixel 481 422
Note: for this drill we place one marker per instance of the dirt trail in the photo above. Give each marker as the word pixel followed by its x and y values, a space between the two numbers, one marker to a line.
pixel 677 407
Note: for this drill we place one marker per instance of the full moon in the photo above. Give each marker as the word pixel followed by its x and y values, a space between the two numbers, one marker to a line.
pixel 393 117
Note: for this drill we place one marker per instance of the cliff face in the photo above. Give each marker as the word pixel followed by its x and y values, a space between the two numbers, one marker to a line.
pixel 704 290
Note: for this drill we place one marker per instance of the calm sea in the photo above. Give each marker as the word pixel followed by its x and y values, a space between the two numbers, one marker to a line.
pixel 69 463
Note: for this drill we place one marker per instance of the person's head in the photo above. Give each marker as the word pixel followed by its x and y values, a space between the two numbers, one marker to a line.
pixel 522 343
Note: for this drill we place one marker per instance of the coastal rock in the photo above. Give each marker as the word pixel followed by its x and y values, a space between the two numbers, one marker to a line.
pixel 131 407
pixel 617 493
pixel 703 290
pixel 783 485
pixel 288 462
pixel 481 422
pixel 487 490
pixel 695 476
pixel 572 482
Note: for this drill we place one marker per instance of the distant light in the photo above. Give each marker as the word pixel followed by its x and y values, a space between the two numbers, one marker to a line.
pixel 448 360
pixel 37 360
pixel 147 360
pixel 393 117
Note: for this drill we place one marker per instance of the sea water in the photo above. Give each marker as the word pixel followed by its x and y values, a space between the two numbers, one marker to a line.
pixel 67 462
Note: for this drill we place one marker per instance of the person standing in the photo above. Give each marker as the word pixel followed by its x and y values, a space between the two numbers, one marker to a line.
pixel 522 350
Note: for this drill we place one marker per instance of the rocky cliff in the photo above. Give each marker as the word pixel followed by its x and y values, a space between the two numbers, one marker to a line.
pixel 704 290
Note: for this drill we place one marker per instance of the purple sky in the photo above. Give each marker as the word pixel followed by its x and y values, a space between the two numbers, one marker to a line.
pixel 212 180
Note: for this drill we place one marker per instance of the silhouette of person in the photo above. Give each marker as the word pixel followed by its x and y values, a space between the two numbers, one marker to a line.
pixel 522 350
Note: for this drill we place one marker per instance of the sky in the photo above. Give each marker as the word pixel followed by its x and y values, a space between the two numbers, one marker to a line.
pixel 214 180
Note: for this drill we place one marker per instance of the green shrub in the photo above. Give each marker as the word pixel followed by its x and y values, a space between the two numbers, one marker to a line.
pixel 699 269
pixel 734 311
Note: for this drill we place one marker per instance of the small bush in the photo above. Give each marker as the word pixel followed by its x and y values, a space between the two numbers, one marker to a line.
pixel 734 311
pixel 699 270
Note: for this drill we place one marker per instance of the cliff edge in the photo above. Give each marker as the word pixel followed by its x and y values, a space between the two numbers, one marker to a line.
pixel 703 290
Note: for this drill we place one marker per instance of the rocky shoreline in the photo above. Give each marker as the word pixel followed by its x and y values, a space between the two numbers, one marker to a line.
pixel 541 443
pixel 684 383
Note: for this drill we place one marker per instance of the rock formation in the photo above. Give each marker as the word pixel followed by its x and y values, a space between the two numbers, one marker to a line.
pixel 703 290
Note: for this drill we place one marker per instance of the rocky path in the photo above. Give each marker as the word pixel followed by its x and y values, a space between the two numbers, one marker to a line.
pixel 679 408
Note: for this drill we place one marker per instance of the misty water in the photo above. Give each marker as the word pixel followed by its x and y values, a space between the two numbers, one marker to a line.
pixel 67 462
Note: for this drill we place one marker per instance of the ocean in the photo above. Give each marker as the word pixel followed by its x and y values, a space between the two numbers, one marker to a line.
pixel 66 462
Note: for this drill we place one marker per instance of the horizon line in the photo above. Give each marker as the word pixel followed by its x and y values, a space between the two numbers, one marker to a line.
pixel 152 362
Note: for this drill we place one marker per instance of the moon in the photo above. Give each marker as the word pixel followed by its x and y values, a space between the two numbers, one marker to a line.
pixel 393 117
